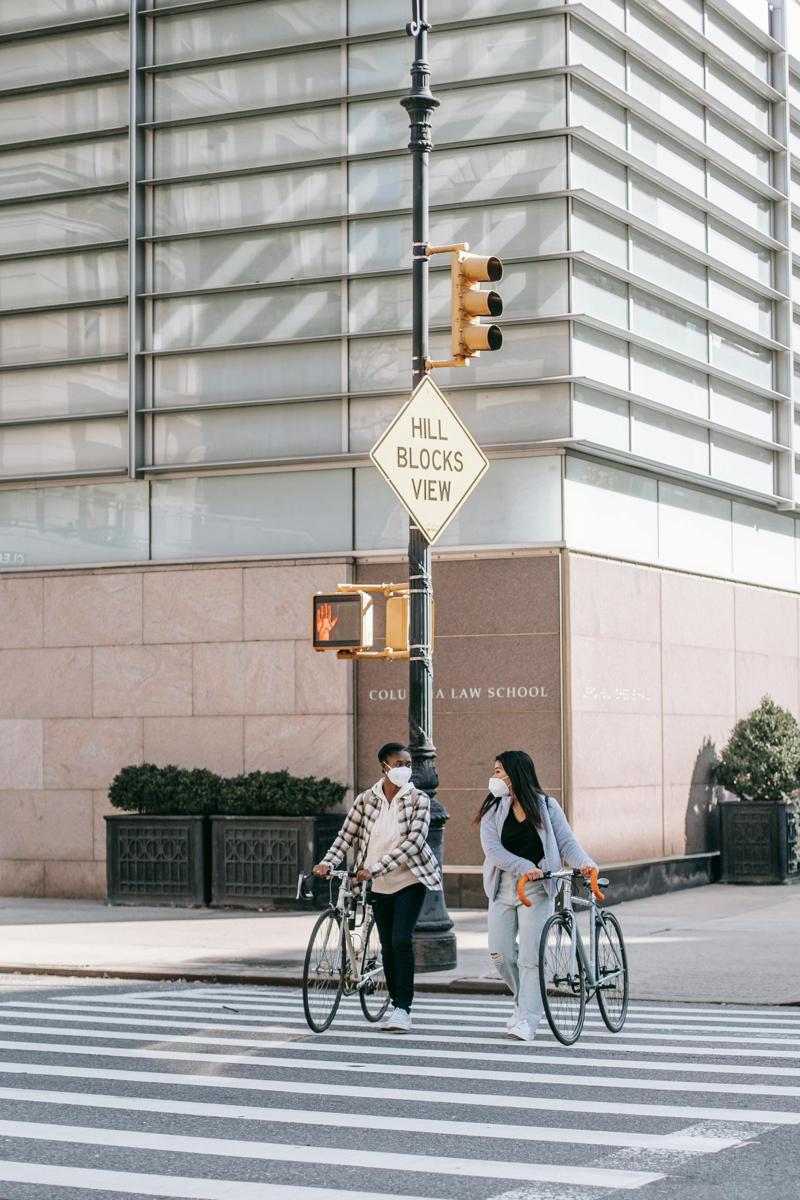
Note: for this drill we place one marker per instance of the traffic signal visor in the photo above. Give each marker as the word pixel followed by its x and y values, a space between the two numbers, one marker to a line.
pixel 470 302
pixel 342 621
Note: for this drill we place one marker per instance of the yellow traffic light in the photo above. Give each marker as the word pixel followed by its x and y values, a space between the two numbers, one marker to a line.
pixel 397 623
pixel 470 303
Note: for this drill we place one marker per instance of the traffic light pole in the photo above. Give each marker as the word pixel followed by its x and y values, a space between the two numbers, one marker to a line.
pixel 435 940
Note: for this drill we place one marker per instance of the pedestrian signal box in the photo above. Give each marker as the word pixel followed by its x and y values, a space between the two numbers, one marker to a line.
pixel 342 621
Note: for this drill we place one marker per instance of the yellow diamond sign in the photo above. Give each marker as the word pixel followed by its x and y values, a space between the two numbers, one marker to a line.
pixel 429 458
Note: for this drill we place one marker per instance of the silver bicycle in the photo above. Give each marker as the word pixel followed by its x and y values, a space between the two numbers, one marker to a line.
pixel 343 955
pixel 569 974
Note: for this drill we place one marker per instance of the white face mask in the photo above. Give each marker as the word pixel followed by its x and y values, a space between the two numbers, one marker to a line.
pixel 399 776
pixel 498 787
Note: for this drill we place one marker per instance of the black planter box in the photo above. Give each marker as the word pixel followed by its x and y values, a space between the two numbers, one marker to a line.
pixel 158 860
pixel 760 841
pixel 256 860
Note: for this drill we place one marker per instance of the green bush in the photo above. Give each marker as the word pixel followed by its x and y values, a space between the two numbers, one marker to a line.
pixel 762 758
pixel 175 791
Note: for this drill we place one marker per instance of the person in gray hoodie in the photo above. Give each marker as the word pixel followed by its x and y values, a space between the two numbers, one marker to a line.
pixel 523 833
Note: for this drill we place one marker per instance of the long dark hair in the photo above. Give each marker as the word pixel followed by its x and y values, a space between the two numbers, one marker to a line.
pixel 518 766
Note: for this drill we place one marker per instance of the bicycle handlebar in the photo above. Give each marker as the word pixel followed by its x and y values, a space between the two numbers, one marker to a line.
pixel 303 882
pixel 598 895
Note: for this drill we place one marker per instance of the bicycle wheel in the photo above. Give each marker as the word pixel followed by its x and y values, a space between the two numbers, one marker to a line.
pixel 562 978
pixel 373 994
pixel 612 964
pixel 323 972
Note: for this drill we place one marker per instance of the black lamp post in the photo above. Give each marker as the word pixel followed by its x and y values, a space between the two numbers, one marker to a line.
pixel 435 940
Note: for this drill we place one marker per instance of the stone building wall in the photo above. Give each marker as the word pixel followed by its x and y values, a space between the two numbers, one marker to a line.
pixel 497 682
pixel 200 666
pixel 661 666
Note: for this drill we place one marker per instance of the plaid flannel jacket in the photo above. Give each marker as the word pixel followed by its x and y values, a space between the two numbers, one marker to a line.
pixel 413 851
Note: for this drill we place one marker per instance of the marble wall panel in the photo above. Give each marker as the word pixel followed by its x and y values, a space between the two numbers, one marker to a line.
pixel 46 683
pixel 691 743
pixel 46 825
pixel 246 678
pixel 21 613
pixel 616 750
pixel 21 754
pixel 696 611
pixel 75 880
pixel 142 681
pixel 323 683
pixel 216 743
pixel 93 610
pixel 277 598
pixel 766 622
pixel 200 605
pixel 759 675
pixel 699 680
pixel 690 818
pixel 620 824
pixel 615 676
pixel 613 600
pixel 302 744
pixel 21 878
pixel 87 754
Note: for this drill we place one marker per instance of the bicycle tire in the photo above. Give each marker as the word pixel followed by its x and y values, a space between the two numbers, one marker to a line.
pixel 612 1001
pixel 374 995
pixel 563 993
pixel 324 971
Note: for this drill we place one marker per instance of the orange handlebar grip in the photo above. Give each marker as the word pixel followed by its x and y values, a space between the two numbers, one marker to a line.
pixel 521 892
pixel 598 895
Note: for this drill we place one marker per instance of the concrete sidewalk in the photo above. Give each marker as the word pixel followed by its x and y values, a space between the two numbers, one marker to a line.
pixel 715 944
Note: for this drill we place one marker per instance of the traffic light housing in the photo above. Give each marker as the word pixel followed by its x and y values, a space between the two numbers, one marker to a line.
pixel 470 302
pixel 397 612
pixel 341 621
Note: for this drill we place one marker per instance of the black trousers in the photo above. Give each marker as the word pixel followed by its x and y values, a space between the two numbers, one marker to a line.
pixel 396 915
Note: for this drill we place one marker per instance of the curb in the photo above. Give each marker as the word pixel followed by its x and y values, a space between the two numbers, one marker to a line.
pixel 232 975
pixel 265 978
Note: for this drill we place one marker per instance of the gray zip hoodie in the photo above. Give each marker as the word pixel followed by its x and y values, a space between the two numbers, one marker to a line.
pixel 557 838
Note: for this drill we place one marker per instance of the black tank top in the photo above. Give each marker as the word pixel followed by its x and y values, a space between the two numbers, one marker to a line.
pixel 522 838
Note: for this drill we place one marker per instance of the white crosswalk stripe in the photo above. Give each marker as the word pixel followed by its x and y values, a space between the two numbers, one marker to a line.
pixel 222 1093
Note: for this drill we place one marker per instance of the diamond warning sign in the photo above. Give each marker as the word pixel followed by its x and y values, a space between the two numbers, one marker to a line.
pixel 429 458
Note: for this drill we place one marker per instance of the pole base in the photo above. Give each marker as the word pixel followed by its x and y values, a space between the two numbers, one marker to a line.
pixel 435 951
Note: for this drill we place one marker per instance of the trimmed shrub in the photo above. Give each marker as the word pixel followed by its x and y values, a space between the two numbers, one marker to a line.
pixel 762 758
pixel 175 791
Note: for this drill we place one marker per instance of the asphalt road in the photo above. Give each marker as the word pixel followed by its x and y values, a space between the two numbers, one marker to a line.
pixel 222 1093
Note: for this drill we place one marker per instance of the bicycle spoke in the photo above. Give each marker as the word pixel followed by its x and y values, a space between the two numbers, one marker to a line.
pixel 562 979
pixel 612 973
pixel 323 972
pixel 372 990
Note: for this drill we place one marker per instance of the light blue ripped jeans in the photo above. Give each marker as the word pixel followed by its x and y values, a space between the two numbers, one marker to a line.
pixel 518 964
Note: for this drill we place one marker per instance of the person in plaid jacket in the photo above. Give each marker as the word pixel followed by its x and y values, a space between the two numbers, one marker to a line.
pixel 386 829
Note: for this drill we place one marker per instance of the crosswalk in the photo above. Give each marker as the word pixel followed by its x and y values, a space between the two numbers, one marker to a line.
pixel 222 1093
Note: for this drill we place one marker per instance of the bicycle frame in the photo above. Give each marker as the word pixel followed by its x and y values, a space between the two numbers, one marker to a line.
pixel 352 911
pixel 578 946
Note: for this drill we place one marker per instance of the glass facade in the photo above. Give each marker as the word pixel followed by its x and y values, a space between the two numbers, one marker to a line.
pixel 205 295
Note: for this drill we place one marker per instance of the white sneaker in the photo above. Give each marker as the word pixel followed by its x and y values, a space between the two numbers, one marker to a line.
pixel 400 1021
pixel 387 1017
pixel 513 1019
pixel 521 1031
